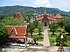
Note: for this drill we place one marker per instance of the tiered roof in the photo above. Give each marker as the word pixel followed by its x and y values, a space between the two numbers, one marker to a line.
pixel 51 18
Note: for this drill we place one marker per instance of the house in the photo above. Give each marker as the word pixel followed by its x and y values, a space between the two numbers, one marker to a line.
pixel 19 15
pixel 17 33
pixel 46 19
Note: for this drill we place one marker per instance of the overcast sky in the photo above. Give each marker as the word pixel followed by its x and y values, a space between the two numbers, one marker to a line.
pixel 61 4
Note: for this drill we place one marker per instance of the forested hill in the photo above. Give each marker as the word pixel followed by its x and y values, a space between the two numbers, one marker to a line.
pixel 11 10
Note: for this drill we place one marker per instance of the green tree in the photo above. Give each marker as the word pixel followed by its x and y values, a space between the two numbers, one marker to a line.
pixel 13 21
pixel 31 28
pixel 67 28
pixel 40 29
pixel 35 22
pixel 27 19
pixel 66 20
pixel 3 33
pixel 67 24
pixel 1 17
pixel 59 39
pixel 37 38
pixel 53 27
pixel 61 23
pixel 68 38
pixel 30 13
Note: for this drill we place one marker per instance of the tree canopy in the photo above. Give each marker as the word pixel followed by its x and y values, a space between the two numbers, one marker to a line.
pixel 3 33
pixel 67 24
pixel 13 21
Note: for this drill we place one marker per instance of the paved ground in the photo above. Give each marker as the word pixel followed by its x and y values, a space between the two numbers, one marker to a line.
pixel 46 38
pixel 0 49
pixel 45 42
pixel 35 49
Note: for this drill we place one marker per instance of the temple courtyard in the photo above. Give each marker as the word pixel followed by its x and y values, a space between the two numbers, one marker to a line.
pixel 45 48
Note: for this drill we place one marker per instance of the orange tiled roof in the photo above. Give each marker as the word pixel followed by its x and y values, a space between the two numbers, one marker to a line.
pixel 57 19
pixel 14 37
pixel 19 15
pixel 39 18
pixel 20 31
pixel 50 18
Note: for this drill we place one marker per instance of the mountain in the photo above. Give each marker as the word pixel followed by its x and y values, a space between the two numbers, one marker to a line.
pixel 25 10
pixel 69 11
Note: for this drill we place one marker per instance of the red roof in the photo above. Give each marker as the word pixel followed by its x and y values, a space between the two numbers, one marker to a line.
pixel 17 37
pixel 20 31
pixel 50 18
pixel 39 18
pixel 19 15
pixel 57 19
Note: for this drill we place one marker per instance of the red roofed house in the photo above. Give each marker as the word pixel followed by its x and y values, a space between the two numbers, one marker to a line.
pixel 46 19
pixel 19 15
pixel 17 33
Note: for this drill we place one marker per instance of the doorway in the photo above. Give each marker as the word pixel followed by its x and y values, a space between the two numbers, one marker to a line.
pixel 45 23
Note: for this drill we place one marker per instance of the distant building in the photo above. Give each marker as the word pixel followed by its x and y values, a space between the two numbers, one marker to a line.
pixel 47 19
pixel 19 15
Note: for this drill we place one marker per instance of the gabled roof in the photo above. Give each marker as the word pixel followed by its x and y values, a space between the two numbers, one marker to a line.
pixel 19 15
pixel 20 31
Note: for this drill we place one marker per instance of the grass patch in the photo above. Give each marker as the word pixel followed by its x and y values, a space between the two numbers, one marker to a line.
pixel 52 38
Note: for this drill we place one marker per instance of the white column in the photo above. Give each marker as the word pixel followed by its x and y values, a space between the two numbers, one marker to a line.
pixel 25 42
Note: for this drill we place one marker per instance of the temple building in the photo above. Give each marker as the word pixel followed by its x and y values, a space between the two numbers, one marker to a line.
pixel 17 33
pixel 19 15
pixel 46 19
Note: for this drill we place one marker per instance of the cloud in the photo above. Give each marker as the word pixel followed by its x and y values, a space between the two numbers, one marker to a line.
pixel 42 3
pixel 64 3
pixel 61 4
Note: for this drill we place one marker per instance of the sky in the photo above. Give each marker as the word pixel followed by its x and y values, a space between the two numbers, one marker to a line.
pixel 61 4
